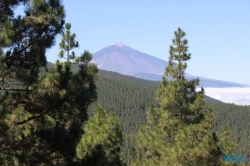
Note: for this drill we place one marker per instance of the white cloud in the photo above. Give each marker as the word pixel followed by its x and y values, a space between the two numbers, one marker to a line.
pixel 239 96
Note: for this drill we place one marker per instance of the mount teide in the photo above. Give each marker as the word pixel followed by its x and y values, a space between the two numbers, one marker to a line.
pixel 128 61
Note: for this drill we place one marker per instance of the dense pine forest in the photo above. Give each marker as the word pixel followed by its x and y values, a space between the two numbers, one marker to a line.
pixel 237 118
pixel 72 113
pixel 130 97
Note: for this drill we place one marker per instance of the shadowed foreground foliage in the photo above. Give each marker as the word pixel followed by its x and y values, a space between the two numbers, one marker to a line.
pixel 43 111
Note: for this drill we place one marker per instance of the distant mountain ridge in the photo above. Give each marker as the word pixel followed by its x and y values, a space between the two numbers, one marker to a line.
pixel 128 61
pixel 204 82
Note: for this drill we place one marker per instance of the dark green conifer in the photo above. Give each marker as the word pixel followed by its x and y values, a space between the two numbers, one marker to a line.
pixel 101 144
pixel 180 131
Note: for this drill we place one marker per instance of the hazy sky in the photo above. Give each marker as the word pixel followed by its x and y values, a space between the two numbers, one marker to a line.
pixel 218 31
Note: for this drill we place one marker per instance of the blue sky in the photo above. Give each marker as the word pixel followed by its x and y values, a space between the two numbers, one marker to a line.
pixel 218 31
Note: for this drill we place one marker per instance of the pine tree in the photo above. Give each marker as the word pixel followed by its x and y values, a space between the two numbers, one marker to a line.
pixel 41 114
pixel 24 40
pixel 68 43
pixel 43 111
pixel 180 131
pixel 102 142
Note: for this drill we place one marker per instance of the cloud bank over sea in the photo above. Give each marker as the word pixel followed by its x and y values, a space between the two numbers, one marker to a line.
pixel 239 96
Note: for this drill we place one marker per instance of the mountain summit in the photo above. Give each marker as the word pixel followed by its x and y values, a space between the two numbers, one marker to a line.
pixel 119 44
pixel 128 61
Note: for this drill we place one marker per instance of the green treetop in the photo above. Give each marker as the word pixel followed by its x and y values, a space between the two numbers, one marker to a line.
pixel 68 43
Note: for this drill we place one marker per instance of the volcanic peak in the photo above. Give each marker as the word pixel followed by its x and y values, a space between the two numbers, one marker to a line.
pixel 120 44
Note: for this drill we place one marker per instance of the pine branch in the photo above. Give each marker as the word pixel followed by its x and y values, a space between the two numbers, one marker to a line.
pixel 37 115
pixel 19 51
pixel 32 117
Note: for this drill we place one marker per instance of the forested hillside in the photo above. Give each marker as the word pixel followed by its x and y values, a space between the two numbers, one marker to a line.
pixel 238 120
pixel 130 97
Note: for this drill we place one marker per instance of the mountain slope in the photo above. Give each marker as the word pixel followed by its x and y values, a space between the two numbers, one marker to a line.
pixel 128 61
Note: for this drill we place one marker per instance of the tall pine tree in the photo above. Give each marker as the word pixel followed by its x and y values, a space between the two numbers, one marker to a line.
pixel 180 132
